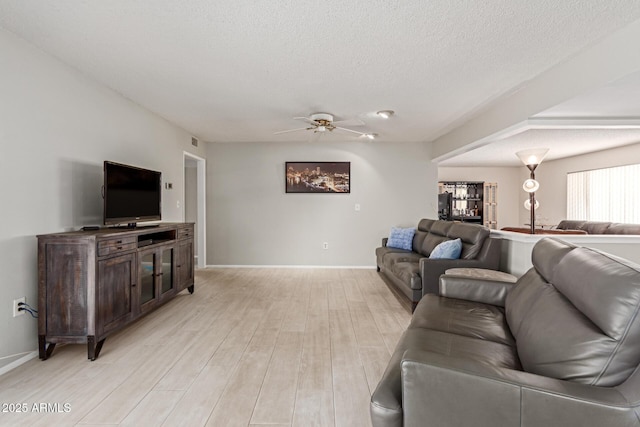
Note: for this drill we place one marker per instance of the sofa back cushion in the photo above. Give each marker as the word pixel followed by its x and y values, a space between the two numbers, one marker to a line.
pixel 575 315
pixel 618 228
pixel 423 229
pixel 472 236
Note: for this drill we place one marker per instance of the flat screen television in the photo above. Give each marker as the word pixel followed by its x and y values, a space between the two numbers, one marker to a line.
pixel 131 194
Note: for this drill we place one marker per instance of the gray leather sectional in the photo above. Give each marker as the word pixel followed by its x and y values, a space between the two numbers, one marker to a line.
pixel 414 274
pixel 599 227
pixel 560 347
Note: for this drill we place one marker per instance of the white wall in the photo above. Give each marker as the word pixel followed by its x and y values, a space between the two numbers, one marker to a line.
pixel 517 247
pixel 56 129
pixel 252 221
pixel 552 176
pixel 508 179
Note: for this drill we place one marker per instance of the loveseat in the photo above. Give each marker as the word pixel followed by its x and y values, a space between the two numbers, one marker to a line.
pixel 599 227
pixel 560 347
pixel 414 274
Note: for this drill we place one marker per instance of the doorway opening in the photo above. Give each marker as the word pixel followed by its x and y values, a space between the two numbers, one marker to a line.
pixel 194 208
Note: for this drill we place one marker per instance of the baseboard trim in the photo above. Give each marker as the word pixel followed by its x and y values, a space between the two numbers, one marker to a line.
pixel 24 359
pixel 335 267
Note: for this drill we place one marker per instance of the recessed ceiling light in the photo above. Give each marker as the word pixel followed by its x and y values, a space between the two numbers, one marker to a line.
pixel 371 135
pixel 385 114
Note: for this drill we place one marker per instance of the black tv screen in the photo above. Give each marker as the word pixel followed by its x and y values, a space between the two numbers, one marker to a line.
pixel 131 194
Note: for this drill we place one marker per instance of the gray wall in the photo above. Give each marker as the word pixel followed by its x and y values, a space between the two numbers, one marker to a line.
pixel 252 221
pixel 56 129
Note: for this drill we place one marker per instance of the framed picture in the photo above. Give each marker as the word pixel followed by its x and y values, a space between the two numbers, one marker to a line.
pixel 318 177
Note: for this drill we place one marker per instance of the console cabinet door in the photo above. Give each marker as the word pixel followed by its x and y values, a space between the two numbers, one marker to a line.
pixel 114 294
pixel 157 276
pixel 166 272
pixel 147 293
pixel 185 264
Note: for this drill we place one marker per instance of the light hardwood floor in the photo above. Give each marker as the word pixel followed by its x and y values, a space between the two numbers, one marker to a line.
pixel 251 347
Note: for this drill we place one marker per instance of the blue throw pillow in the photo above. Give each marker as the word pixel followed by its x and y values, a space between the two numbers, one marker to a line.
pixel 451 249
pixel 401 238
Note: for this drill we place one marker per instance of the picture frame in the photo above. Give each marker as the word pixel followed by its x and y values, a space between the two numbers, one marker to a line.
pixel 318 177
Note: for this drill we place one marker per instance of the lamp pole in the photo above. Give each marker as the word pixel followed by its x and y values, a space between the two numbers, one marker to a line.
pixel 531 159
pixel 532 201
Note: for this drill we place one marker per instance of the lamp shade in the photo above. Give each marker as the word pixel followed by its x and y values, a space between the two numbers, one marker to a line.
pixel 533 156
pixel 530 185
pixel 527 204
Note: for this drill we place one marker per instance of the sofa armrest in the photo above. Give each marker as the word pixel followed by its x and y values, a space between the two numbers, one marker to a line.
pixel 432 269
pixel 449 390
pixel 473 289
pixel 384 241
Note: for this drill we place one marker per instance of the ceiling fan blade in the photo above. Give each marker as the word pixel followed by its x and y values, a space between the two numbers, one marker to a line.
pixel 290 130
pixel 349 122
pixel 350 130
pixel 307 119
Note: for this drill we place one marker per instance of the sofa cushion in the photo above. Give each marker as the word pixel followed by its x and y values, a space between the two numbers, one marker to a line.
pixel 450 249
pixel 618 228
pixel 383 251
pixel 575 316
pixel 472 237
pixel 570 224
pixel 467 318
pixel 386 400
pixel 401 238
pixel 418 239
pixel 430 242
pixel 408 272
pixel 595 227
pixel 391 258
pixel 437 233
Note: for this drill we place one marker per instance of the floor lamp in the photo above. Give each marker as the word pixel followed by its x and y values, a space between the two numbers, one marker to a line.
pixel 531 159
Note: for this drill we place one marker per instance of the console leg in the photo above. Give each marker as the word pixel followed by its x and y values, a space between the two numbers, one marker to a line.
pixel 378 269
pixel 93 348
pixel 191 288
pixel 44 350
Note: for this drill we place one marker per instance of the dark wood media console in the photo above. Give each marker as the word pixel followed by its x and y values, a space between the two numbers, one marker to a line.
pixel 93 283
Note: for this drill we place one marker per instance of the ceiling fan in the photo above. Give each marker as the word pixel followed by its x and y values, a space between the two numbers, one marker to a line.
pixel 321 123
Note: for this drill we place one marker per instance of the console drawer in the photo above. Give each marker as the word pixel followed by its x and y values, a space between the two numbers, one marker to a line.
pixel 117 245
pixel 185 232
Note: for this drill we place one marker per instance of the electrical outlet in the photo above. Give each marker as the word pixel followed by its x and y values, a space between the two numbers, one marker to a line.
pixel 325 245
pixel 17 313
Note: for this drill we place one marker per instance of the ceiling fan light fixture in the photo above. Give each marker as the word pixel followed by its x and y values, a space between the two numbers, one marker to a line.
pixel 385 114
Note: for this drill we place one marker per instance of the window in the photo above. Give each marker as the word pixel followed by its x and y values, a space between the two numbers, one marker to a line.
pixel 611 194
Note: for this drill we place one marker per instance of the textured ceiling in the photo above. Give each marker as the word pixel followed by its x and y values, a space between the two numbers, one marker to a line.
pixel 237 70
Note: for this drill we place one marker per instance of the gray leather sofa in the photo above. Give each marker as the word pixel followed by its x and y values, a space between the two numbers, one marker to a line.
pixel 414 274
pixel 599 227
pixel 560 347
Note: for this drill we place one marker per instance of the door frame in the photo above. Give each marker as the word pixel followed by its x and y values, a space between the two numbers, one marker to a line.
pixel 201 211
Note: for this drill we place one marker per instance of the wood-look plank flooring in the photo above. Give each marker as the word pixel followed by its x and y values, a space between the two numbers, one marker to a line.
pixel 251 347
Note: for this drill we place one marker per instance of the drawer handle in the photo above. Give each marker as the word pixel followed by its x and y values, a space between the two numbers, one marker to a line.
pixel 119 241
pixel 118 247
